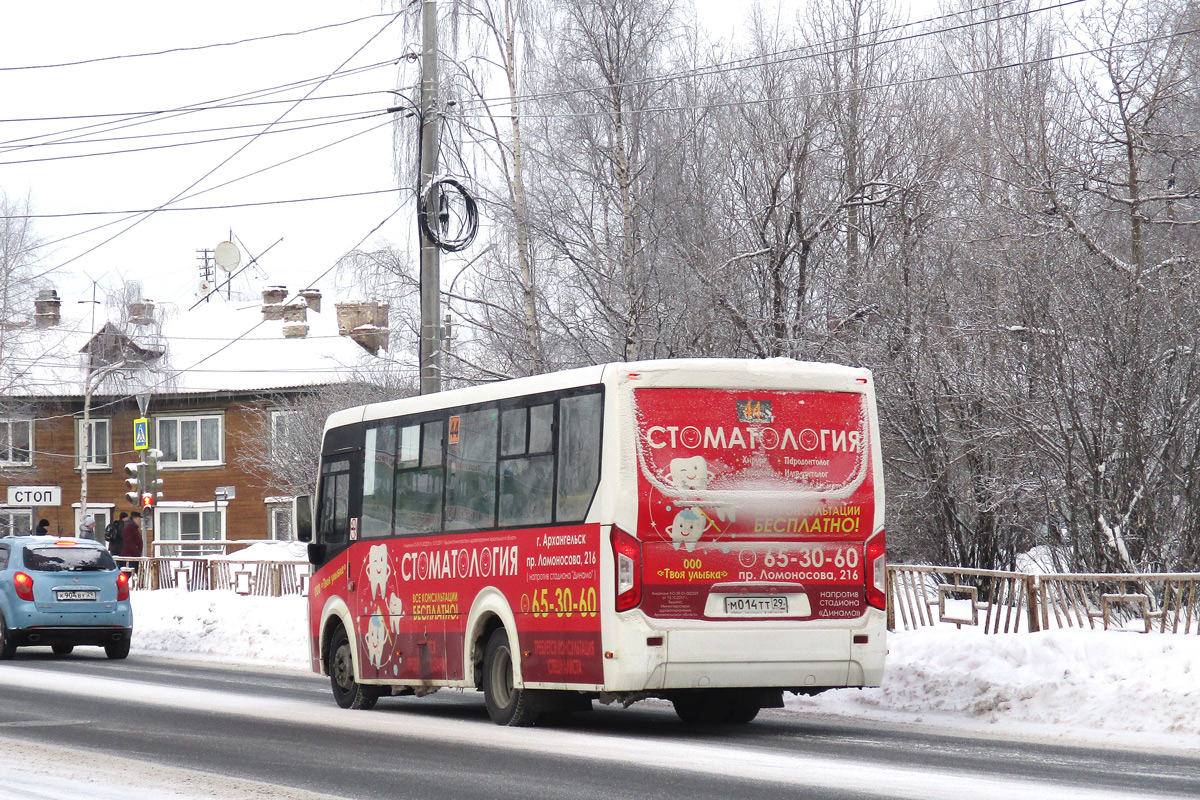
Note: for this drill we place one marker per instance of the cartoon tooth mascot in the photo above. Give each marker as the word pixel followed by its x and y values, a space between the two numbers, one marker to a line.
pixel 378 570
pixel 687 529
pixel 374 638
pixel 689 473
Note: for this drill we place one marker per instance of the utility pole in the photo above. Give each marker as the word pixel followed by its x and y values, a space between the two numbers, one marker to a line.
pixel 431 330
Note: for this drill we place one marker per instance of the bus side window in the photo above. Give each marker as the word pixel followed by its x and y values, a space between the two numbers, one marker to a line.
pixel 379 458
pixel 471 472
pixel 419 479
pixel 579 420
pixel 526 479
pixel 332 528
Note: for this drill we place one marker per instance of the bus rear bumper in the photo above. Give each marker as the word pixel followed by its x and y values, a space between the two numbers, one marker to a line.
pixel 791 657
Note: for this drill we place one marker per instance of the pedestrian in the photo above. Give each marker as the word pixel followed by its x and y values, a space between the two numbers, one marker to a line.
pixel 112 534
pixel 88 529
pixel 43 528
pixel 131 538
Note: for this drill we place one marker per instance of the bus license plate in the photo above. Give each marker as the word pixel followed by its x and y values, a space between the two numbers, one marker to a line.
pixel 75 594
pixel 756 606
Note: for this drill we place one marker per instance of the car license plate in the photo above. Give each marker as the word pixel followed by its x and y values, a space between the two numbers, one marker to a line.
pixel 75 594
pixel 756 606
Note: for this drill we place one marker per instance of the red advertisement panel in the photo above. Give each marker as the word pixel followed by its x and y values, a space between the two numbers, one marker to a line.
pixel 753 504
pixel 411 598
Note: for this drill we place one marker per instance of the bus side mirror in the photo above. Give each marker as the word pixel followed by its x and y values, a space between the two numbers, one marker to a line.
pixel 302 514
pixel 316 554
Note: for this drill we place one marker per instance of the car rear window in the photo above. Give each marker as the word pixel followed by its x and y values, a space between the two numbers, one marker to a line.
pixel 68 559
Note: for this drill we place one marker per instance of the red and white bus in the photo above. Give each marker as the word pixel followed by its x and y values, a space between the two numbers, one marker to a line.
pixel 708 531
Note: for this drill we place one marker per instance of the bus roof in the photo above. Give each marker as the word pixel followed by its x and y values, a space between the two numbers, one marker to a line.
pixel 778 372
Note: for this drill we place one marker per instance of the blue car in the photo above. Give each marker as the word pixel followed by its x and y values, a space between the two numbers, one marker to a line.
pixel 62 593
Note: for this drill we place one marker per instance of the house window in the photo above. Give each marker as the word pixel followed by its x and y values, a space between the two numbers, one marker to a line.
pixel 15 522
pixel 282 429
pixel 92 444
pixel 280 515
pixel 191 441
pixel 16 442
pixel 191 527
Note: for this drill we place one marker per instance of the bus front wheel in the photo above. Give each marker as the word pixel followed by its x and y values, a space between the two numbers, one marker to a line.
pixel 348 692
pixel 505 704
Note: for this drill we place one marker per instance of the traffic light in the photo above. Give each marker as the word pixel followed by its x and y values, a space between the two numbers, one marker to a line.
pixel 136 470
pixel 153 484
pixel 147 503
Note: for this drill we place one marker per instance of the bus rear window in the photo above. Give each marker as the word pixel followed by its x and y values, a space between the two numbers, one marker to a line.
pixel 700 440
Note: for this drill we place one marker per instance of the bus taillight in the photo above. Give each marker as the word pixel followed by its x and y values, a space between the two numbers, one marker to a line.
pixel 877 571
pixel 627 552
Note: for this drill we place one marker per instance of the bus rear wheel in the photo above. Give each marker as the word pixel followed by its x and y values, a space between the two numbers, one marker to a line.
pixel 714 708
pixel 348 692
pixel 505 704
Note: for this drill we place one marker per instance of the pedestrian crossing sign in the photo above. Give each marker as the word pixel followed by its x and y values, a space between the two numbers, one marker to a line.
pixel 141 434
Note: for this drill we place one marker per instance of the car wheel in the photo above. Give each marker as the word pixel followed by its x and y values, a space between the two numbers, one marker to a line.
pixel 62 649
pixel 117 650
pixel 505 705
pixel 741 712
pixel 7 648
pixel 348 692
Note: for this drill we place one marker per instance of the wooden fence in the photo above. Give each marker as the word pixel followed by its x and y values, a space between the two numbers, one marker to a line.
pixel 261 578
pixel 1008 602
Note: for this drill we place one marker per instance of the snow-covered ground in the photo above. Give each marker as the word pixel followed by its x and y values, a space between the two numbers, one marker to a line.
pixel 1117 688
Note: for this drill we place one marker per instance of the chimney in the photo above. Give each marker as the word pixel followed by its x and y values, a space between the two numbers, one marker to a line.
pixel 313 298
pixel 274 294
pixel 295 311
pixel 273 297
pixel 295 330
pixel 46 309
pixel 365 323
pixel 141 312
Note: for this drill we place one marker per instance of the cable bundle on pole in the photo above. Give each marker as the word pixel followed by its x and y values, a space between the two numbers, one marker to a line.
pixel 435 229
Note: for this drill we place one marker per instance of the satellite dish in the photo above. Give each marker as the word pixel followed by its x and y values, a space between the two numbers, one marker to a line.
pixel 228 256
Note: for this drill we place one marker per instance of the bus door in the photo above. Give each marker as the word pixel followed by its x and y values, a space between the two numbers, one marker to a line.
pixel 332 534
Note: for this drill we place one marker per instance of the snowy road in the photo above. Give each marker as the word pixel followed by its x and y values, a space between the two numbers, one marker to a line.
pixel 86 727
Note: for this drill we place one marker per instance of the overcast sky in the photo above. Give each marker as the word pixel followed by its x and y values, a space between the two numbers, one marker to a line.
pixel 56 107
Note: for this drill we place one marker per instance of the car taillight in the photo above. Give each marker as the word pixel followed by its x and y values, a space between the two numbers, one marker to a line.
pixel 877 571
pixel 627 553
pixel 123 586
pixel 24 586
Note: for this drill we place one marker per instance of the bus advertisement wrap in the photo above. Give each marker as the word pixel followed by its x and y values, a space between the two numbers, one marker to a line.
pixel 767 492
pixel 411 598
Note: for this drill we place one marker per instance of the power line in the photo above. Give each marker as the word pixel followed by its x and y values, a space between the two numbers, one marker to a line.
pixel 151 148
pixel 226 183
pixel 286 201
pixel 866 88
pixel 787 55
pixel 205 176
pixel 228 343
pixel 192 49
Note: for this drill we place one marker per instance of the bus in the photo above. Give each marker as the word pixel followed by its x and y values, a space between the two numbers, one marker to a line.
pixel 705 531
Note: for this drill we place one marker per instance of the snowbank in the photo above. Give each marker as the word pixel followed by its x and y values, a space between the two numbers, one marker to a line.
pixel 1069 685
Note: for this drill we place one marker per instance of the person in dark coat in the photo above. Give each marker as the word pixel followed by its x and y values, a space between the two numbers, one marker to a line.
pixel 43 528
pixel 113 534
pixel 131 537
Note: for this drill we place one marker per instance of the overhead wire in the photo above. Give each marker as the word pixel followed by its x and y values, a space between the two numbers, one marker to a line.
pixel 196 48
pixel 142 217
pixel 786 55
pixel 151 148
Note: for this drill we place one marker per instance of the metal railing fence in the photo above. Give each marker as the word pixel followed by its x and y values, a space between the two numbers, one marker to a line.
pixel 195 573
pixel 1008 602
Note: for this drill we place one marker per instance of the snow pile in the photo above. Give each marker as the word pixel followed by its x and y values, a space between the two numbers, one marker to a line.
pixel 1068 684
pixel 223 625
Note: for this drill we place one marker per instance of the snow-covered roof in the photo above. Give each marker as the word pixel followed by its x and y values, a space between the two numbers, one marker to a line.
pixel 220 346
